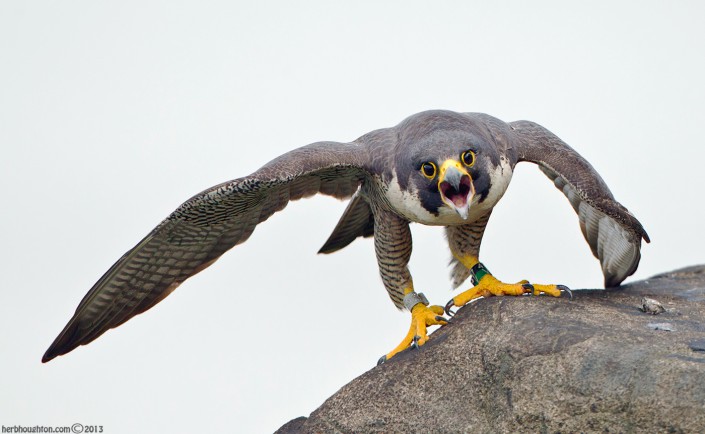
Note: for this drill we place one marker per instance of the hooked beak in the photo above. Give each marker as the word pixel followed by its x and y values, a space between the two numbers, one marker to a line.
pixel 456 187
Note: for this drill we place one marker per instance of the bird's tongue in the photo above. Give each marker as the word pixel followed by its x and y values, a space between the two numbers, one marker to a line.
pixel 459 200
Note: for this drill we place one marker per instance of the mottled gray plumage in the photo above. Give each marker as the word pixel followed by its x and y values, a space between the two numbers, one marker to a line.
pixel 380 170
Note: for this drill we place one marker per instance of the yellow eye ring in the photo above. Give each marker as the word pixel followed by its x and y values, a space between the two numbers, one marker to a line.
pixel 468 158
pixel 428 169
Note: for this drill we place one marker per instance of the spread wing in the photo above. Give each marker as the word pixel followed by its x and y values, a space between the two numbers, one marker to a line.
pixel 613 233
pixel 201 230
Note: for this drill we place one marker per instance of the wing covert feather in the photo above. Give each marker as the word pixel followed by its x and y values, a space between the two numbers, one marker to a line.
pixel 203 228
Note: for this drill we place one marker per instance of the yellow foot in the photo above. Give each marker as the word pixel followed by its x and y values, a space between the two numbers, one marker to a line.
pixel 421 317
pixel 489 286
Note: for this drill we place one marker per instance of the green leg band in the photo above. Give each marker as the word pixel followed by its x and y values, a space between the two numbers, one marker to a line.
pixel 478 272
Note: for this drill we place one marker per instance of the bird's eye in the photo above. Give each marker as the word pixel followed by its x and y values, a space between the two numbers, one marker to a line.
pixel 468 158
pixel 429 170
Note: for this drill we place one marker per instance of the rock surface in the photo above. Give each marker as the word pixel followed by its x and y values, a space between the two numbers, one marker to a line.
pixel 541 364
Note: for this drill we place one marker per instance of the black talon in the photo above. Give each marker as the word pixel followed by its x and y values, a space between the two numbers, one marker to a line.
pixel 381 360
pixel 447 310
pixel 528 288
pixel 440 318
pixel 415 342
pixel 566 289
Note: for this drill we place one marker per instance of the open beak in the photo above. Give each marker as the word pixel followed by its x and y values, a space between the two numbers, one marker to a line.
pixel 456 188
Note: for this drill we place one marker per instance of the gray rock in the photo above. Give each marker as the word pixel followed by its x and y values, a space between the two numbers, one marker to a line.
pixel 542 364
pixel 663 326
pixel 649 305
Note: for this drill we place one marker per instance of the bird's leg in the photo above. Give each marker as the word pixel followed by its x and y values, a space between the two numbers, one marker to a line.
pixel 486 285
pixel 393 249
pixel 422 316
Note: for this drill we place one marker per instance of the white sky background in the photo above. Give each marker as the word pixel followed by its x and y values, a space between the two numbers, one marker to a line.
pixel 112 114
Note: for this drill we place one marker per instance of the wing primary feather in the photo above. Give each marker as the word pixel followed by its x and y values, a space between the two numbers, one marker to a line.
pixel 612 232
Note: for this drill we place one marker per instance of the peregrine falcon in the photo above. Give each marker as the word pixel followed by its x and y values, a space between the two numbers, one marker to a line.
pixel 438 168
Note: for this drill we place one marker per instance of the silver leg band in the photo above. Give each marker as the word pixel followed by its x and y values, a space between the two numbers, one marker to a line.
pixel 412 299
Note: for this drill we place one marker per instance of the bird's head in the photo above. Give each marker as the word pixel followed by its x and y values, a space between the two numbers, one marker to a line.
pixel 446 162
pixel 451 181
